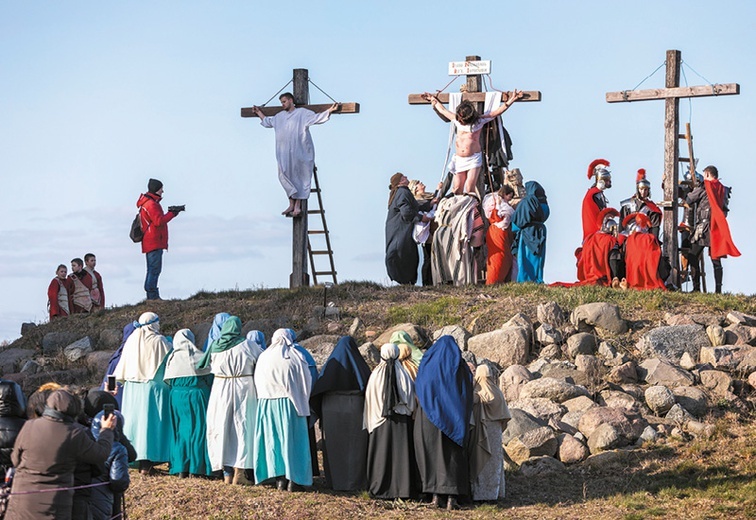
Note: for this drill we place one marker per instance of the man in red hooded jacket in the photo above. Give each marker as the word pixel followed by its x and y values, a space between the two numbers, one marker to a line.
pixel 155 228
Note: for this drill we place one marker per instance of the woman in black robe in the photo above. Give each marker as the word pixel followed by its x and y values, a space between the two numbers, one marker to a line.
pixel 442 422
pixel 402 257
pixel 338 400
pixel 389 402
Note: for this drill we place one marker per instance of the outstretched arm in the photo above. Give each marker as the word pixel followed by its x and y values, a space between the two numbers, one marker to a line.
pixel 258 112
pixel 511 98
pixel 439 107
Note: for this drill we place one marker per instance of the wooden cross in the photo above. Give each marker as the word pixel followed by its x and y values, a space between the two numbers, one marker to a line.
pixel 301 91
pixel 671 96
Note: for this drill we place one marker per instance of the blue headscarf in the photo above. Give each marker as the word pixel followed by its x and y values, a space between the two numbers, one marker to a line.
pixel 344 370
pixel 444 389
pixel 529 216
pixel 215 329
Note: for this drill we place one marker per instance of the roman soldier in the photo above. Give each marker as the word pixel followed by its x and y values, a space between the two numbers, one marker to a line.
pixel 642 254
pixel 601 260
pixel 641 202
pixel 595 200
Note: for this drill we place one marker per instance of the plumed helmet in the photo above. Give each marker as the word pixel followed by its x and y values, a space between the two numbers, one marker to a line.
pixel 636 222
pixel 641 180
pixel 599 169
pixel 605 220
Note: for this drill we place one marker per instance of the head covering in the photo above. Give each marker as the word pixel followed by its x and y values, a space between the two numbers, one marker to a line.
pixel 116 357
pixel 636 222
pixel 599 169
pixel 184 358
pixel 530 215
pixel 230 337
pixel 641 181
pixel 61 406
pixel 401 337
pixel 154 185
pixel 444 389
pixel 215 329
pixel 394 185
pixel 345 370
pixel 487 391
pixel 390 390
pixel 405 356
pixel 143 352
pixel 12 400
pixel 96 399
pixel 284 371
pixel 606 218
pixel 35 406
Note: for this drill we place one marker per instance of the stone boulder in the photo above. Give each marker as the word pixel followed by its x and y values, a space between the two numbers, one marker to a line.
pixel 540 407
pixel 691 319
pixel 534 443
pixel 356 326
pixel 552 351
pixel 320 347
pixel 109 339
pixel 605 437
pixel 600 315
pixel 63 377
pixel 660 399
pixel 512 380
pixel 748 360
pixel 609 354
pixel 726 357
pixel 552 389
pixel 201 330
pixel 678 414
pixel 607 459
pixel 657 371
pixel 12 358
pixel 97 361
pixel 718 383
pixel 625 373
pixel 619 400
pixel 565 371
pixel 672 341
pixel 716 335
pixel 579 404
pixel 543 465
pixel 738 318
pixel 548 335
pixel 570 449
pixel 740 334
pixel 521 321
pixel 371 354
pixel 687 361
pixel 550 313
pixel 460 334
pixel 595 417
pixel 27 327
pixel 588 364
pixel 78 349
pixel 510 346
pixel 54 342
pixel 417 334
pixel 581 343
pixel 692 399
pixel 520 423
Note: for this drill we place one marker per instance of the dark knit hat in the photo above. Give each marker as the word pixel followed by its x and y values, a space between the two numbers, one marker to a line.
pixel 154 185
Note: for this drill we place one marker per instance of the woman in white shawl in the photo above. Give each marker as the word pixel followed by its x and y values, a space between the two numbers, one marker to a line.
pixel 282 446
pixel 190 391
pixel 389 403
pixel 146 397
pixel 490 415
pixel 233 400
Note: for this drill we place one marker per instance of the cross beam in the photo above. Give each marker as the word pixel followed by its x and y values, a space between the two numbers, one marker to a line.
pixel 301 92
pixel 671 94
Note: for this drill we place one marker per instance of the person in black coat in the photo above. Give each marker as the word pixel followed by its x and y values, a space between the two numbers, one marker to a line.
pixel 402 258
pixel 12 418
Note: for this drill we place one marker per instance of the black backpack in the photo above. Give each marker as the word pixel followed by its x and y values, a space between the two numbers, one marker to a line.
pixel 137 234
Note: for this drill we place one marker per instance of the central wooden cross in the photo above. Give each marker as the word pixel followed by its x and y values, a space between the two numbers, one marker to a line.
pixel 671 96
pixel 301 91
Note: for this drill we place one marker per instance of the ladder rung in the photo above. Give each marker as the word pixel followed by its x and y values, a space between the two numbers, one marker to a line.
pixel 315 211
pixel 314 190
pixel 321 273
pixel 682 136
pixel 321 252
pixel 315 232
pixel 683 159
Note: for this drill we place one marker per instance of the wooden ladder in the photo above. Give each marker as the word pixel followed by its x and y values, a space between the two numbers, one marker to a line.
pixel 321 232
pixel 688 137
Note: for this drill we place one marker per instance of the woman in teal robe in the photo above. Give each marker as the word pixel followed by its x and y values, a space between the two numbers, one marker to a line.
pixel 190 392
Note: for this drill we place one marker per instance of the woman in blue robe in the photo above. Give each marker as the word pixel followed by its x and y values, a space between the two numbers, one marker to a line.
pixel 528 222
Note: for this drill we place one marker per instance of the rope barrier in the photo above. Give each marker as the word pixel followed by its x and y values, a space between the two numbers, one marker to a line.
pixel 58 489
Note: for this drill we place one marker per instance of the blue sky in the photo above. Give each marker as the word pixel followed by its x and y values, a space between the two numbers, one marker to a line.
pixel 97 97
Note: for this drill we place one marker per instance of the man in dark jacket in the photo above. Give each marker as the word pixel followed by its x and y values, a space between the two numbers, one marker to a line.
pixel 12 419
pixel 46 452
pixel 155 227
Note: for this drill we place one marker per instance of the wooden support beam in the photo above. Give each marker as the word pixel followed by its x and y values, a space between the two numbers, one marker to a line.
pixel 671 154
pixel 720 89
pixel 417 99
pixel 345 108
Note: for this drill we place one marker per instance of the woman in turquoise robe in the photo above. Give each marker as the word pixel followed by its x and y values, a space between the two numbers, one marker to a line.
pixel 190 392
pixel 528 222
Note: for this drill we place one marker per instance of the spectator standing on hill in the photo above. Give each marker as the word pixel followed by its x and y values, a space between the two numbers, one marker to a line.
pixel 96 292
pixel 155 227
pixel 81 283
pixel 60 293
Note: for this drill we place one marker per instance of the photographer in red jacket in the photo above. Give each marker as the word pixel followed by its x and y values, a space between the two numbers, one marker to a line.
pixel 155 228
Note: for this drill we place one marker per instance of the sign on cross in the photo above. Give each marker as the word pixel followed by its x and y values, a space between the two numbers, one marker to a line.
pixel 671 95
pixel 301 92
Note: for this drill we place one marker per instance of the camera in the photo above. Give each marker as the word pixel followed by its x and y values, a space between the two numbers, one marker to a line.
pixel 107 410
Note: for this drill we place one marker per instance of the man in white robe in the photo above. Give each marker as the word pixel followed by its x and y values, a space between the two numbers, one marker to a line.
pixel 295 151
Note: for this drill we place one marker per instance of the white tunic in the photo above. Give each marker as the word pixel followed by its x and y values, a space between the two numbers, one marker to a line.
pixel 232 407
pixel 295 152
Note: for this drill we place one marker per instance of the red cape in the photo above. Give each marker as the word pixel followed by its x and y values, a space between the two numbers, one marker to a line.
pixel 720 239
pixel 642 254
pixel 593 268
pixel 590 213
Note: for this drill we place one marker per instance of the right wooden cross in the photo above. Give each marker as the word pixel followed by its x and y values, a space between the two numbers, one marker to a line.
pixel 671 95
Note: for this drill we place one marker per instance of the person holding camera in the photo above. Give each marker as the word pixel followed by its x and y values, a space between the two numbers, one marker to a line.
pixel 155 227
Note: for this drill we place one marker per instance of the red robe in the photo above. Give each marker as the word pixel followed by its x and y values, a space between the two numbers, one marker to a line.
pixel 642 255
pixel 52 296
pixel 499 242
pixel 720 240
pixel 590 213
pixel 593 266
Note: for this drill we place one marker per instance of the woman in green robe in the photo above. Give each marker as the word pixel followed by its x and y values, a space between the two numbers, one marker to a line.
pixel 190 392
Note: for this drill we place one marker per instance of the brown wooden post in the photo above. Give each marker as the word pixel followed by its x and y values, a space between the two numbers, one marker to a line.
pixel 671 156
pixel 299 276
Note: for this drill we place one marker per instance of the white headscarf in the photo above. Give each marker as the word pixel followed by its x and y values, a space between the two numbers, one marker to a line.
pixel 375 393
pixel 182 361
pixel 143 352
pixel 283 371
